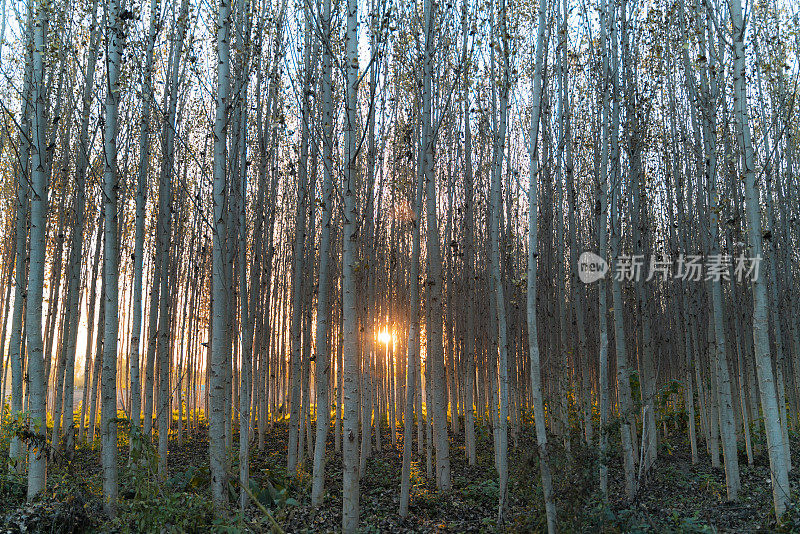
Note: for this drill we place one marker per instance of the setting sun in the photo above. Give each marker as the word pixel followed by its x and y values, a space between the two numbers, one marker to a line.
pixel 385 337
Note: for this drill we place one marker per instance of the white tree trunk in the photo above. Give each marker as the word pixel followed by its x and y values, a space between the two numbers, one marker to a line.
pixel 141 199
pixel 435 353
pixel 501 430
pixel 349 311
pixel 412 353
pixel 37 460
pixel 76 255
pixel 533 229
pixel 220 350
pixel 766 381
pixel 115 43
pixel 298 274
pixel 323 290
pixel 615 186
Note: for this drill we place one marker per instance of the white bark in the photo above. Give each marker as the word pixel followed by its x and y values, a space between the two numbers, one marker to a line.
pixel 766 382
pixel 298 275
pixel 615 187
pixel 533 229
pixel 165 241
pixel 246 323
pixel 469 246
pixel 73 299
pixel 727 424
pixel 141 199
pixel 323 286
pixel 115 43
pixel 220 350
pixel 435 353
pixel 37 461
pixel 501 430
pixel 602 217
pixel 349 311
pixel 412 353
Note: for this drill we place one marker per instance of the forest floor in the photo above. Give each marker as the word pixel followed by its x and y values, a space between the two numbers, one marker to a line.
pixel 676 496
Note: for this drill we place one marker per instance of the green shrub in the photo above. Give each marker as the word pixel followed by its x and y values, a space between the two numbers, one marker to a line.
pixel 173 512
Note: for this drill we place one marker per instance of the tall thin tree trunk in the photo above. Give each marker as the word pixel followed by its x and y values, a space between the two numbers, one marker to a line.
pixel 16 353
pixel 766 384
pixel 533 229
pixel 323 352
pixel 220 350
pixel 435 351
pixel 141 199
pixel 501 430
pixel 349 310
pixel 412 353
pixel 37 460
pixel 615 187
pixel 115 43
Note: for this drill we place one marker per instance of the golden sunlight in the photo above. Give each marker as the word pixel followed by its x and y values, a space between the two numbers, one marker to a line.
pixel 385 337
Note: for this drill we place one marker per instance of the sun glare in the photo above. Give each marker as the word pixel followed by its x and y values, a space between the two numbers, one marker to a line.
pixel 385 337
